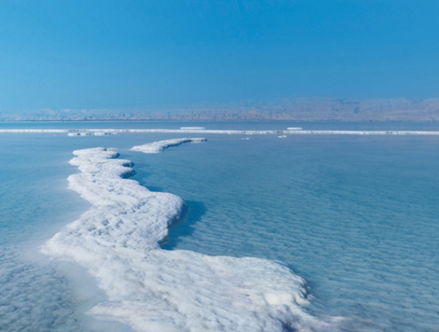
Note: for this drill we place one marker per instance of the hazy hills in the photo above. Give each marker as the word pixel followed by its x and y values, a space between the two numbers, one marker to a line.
pixel 300 109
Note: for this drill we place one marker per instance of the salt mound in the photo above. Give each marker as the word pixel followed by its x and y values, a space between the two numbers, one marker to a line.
pixel 151 289
pixel 159 146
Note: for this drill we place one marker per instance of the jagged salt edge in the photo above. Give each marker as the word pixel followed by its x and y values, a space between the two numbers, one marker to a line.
pixel 151 289
pixel 159 146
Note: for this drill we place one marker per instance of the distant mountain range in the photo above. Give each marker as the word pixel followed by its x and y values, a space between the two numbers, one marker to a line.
pixel 299 109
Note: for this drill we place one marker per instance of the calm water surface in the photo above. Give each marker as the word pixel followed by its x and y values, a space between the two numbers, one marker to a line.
pixel 357 217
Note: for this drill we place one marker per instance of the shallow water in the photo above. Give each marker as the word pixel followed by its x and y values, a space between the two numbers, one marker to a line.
pixel 355 216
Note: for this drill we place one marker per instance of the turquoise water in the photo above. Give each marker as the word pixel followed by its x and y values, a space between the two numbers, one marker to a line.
pixel 355 216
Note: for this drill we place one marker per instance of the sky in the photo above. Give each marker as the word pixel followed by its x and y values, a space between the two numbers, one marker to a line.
pixel 90 54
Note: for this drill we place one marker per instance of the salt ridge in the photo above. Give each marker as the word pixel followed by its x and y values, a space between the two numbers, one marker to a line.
pixel 159 146
pixel 151 289
pixel 113 131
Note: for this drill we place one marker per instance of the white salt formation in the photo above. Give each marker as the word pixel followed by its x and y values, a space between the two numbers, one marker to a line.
pixel 151 289
pixel 192 128
pixel 188 130
pixel 159 146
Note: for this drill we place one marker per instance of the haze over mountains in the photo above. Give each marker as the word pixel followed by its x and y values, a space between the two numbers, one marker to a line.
pixel 300 109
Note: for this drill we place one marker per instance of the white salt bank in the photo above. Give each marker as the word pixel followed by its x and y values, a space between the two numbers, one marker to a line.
pixel 151 289
pixel 192 128
pixel 159 146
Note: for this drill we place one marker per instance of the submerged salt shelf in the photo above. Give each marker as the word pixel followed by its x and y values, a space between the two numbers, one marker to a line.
pixel 151 289
pixel 196 130
pixel 159 146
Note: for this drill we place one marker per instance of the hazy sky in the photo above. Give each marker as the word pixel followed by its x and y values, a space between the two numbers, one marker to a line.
pixel 136 54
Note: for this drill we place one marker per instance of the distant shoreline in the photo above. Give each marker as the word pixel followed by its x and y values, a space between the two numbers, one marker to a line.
pixel 223 121
pixel 284 132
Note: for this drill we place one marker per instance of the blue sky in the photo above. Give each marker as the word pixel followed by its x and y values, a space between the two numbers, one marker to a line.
pixel 168 54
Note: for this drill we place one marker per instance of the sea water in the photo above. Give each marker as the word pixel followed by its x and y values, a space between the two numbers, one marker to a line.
pixel 356 217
